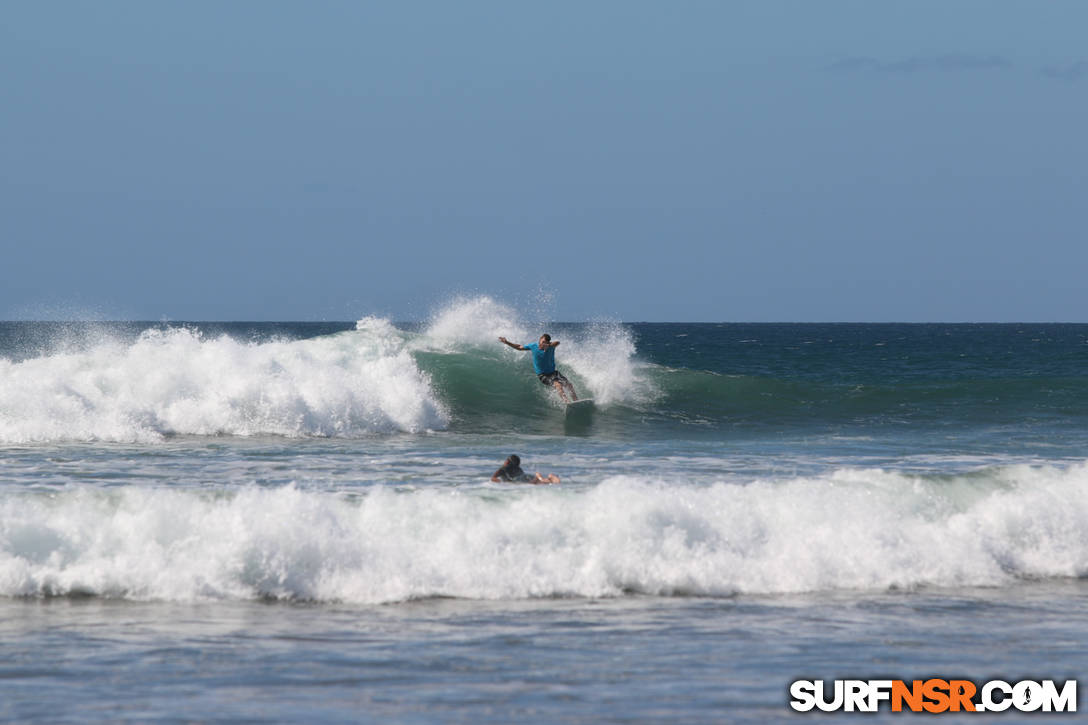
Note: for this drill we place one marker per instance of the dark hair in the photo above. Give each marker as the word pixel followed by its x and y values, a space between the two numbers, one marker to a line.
pixel 514 459
pixel 547 337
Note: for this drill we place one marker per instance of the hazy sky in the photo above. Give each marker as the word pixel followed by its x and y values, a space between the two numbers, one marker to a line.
pixel 734 161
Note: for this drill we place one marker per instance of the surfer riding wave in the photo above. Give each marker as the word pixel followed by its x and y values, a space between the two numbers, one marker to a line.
pixel 543 351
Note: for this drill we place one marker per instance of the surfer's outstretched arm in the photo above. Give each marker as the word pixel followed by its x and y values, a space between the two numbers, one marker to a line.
pixel 514 345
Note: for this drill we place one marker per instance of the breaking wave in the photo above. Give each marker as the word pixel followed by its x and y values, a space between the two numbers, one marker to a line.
pixel 177 381
pixel 849 529
pixel 377 379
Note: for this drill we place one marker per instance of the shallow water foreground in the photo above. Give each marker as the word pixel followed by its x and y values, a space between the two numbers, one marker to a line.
pixel 553 660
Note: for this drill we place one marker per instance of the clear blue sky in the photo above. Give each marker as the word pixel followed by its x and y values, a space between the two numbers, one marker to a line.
pixel 735 161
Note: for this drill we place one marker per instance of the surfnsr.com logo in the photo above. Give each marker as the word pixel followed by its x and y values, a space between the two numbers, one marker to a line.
pixel 933 695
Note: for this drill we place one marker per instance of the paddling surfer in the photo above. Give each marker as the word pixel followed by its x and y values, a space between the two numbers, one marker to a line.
pixel 543 351
pixel 511 472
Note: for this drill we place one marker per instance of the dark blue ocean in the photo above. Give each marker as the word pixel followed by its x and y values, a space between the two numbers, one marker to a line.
pixel 293 522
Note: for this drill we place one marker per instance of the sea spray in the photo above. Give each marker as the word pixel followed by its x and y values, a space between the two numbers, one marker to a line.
pixel 477 321
pixel 603 354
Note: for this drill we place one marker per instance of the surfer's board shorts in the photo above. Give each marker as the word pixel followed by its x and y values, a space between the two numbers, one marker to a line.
pixel 553 377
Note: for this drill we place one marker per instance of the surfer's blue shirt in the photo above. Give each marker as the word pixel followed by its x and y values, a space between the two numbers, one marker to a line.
pixel 543 360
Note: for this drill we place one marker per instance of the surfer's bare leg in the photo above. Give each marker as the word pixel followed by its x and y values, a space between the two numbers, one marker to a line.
pixel 570 390
pixel 562 393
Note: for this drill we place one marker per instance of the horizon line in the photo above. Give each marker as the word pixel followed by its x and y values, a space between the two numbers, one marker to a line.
pixel 554 322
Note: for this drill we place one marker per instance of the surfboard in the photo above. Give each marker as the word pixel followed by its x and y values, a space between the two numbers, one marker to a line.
pixel 578 420
pixel 579 407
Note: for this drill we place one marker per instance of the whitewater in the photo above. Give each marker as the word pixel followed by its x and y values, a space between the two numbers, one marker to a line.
pixel 861 530
pixel 302 513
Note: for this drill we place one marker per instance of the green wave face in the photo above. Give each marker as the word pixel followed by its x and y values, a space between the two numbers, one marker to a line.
pixel 485 390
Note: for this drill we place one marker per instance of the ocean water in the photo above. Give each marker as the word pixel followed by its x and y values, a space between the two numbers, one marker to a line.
pixel 222 522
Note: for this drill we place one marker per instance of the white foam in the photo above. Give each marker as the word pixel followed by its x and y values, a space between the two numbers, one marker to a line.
pixel 176 381
pixel 849 530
